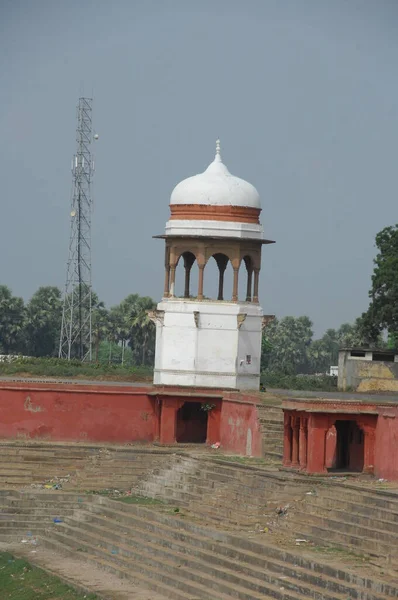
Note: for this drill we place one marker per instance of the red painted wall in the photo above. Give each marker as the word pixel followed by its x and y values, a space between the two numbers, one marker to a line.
pixel 386 454
pixel 63 412
pixel 120 414
pixel 240 428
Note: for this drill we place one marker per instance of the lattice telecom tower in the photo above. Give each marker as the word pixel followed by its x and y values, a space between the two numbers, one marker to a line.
pixel 75 339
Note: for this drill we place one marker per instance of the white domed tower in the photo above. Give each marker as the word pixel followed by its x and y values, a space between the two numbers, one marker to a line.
pixel 199 341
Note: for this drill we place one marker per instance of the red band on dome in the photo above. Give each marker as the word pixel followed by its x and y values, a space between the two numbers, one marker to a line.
pixel 206 212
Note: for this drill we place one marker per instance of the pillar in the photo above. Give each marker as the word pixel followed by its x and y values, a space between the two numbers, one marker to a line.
pixel 249 285
pixel 168 424
pixel 172 280
pixel 187 278
pixel 166 292
pixel 295 441
pixel 256 281
pixel 221 284
pixel 369 449
pixel 318 425
pixel 200 285
pixel 235 285
pixel 287 440
pixel 303 443
pixel 213 425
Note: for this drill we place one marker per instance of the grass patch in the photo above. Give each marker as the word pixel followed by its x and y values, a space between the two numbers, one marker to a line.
pixel 245 460
pixel 58 367
pixel 339 552
pixel 127 498
pixel 141 500
pixel 21 581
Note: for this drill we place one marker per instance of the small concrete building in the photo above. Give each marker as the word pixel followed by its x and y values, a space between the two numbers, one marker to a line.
pixel 368 370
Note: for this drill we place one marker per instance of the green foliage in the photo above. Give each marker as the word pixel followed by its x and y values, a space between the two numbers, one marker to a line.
pixel 122 335
pixel 382 313
pixel 21 581
pixel 278 380
pixel 60 367
pixel 43 322
pixel 285 344
pixel 288 346
pixel 12 322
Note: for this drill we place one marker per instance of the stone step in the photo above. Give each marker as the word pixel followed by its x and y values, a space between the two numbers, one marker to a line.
pixel 275 456
pixel 132 572
pixel 386 500
pixel 190 582
pixel 218 546
pixel 225 569
pixel 334 524
pixel 324 535
pixel 318 508
pixel 366 510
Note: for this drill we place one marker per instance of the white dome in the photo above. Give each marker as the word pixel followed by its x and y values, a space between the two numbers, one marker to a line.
pixel 216 187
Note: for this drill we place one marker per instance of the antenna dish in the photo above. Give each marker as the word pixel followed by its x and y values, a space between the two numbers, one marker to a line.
pixel 96 136
pixel 73 213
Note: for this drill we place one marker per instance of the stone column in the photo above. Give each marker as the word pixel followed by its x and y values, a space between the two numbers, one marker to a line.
pixel 221 285
pixel 235 285
pixel 303 443
pixel 287 440
pixel 187 278
pixel 256 281
pixel 172 280
pixel 295 441
pixel 200 285
pixel 166 292
pixel 249 285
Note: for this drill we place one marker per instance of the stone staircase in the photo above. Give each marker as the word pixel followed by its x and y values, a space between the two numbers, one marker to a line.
pixel 176 557
pixel 353 518
pixel 271 424
pixel 218 492
pixel 76 467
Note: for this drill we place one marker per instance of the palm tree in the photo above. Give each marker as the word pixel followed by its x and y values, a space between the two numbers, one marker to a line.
pixel 142 324
pixel 43 321
pixel 12 321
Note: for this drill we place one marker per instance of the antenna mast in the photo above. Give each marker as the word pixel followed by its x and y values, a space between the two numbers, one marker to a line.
pixel 75 338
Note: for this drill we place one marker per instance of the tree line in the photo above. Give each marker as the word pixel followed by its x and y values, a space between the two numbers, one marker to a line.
pixel 122 334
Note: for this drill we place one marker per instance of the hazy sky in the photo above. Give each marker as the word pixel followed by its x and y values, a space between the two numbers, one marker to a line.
pixel 303 94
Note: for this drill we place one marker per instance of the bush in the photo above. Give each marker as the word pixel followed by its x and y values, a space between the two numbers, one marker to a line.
pixel 274 379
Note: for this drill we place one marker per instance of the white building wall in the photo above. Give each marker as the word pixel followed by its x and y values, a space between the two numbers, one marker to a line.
pixel 200 343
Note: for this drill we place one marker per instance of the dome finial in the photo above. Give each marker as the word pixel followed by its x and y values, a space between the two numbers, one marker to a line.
pixel 218 150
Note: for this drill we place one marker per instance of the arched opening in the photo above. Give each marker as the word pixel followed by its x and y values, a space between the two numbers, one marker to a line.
pixel 218 277
pixel 350 446
pixel 248 283
pixel 184 282
pixel 191 424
